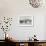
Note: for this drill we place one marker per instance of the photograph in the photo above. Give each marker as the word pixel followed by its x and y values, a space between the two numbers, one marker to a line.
pixel 26 20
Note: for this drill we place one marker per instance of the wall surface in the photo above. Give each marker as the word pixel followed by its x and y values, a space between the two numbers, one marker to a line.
pixel 15 8
pixel 23 33
pixel 18 7
pixel 45 29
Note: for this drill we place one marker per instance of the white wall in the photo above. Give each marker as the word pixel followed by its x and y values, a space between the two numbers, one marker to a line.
pixel 23 33
pixel 13 8
pixel 45 28
pixel 17 7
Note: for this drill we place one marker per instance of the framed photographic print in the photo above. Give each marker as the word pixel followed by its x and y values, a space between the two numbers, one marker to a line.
pixel 26 21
